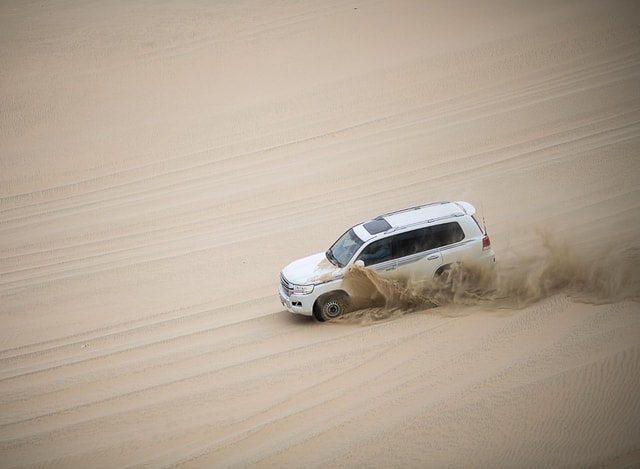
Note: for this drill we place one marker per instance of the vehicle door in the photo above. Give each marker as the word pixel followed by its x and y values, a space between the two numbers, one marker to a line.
pixel 378 255
pixel 450 238
pixel 417 257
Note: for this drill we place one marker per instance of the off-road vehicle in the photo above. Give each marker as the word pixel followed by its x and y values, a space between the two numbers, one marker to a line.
pixel 417 242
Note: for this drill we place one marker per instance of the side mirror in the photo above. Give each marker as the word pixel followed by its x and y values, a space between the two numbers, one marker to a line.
pixel 359 263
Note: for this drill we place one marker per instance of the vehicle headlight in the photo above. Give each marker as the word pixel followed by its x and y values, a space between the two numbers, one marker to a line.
pixel 302 289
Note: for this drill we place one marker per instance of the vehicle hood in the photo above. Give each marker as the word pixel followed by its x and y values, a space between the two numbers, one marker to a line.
pixel 311 270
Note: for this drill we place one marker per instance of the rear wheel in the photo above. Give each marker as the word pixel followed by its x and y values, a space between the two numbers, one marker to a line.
pixel 331 305
pixel 448 276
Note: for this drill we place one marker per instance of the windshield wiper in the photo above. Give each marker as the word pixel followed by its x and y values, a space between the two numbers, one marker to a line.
pixel 332 258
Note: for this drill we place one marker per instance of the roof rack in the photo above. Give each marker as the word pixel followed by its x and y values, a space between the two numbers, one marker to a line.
pixel 417 207
pixel 421 222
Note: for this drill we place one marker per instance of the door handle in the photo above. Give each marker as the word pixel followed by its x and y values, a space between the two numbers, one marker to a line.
pixel 432 257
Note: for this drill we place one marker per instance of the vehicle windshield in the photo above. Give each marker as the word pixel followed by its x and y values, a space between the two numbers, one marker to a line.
pixel 343 250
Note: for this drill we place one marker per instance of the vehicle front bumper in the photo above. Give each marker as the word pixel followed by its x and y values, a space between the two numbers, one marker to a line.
pixel 298 304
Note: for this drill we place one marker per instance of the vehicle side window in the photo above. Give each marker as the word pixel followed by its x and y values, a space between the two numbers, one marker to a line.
pixel 376 252
pixel 425 239
pixel 411 242
pixel 445 234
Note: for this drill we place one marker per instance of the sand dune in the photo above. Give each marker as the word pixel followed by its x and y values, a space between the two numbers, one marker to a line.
pixel 159 165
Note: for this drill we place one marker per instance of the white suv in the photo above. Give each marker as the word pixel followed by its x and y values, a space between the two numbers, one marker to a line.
pixel 418 242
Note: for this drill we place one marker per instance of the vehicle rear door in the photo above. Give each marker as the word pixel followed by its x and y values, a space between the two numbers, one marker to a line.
pixel 417 258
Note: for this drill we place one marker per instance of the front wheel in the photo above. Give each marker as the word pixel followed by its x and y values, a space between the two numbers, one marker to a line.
pixel 331 305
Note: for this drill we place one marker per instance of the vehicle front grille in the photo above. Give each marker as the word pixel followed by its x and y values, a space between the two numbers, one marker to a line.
pixel 286 286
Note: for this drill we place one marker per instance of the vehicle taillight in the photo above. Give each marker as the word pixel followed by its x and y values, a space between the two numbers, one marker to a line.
pixel 486 243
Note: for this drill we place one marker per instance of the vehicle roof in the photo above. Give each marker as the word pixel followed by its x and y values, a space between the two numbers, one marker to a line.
pixel 421 214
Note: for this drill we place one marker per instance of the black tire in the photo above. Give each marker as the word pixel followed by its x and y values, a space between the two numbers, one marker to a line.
pixel 331 305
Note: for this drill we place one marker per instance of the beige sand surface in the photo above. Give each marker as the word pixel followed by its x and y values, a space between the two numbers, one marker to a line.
pixel 160 162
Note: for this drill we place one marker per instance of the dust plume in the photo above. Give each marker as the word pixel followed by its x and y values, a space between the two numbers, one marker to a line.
pixel 515 282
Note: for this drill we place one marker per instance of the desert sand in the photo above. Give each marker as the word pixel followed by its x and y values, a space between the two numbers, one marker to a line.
pixel 160 162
